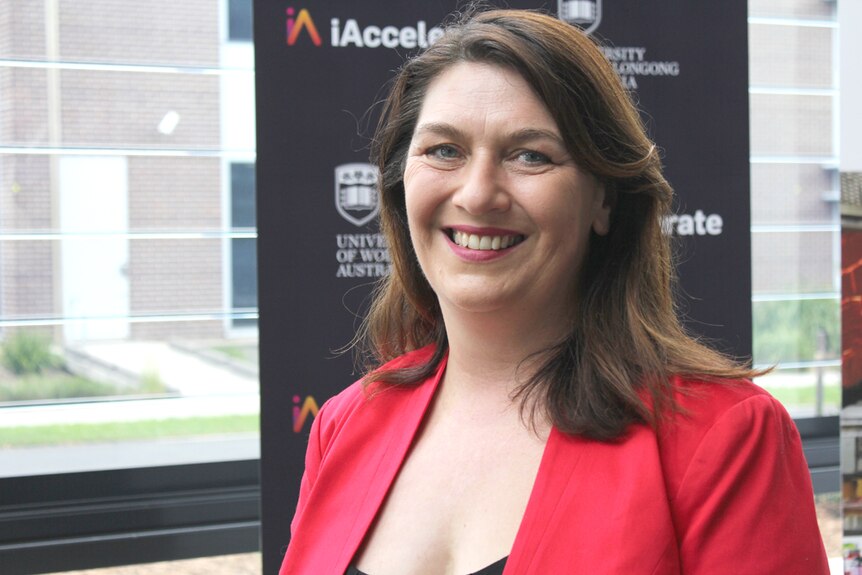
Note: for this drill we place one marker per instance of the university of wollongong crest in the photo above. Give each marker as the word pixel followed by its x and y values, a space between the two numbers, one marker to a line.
pixel 356 192
pixel 585 14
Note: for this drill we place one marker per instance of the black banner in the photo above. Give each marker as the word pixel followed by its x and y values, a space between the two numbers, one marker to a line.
pixel 322 66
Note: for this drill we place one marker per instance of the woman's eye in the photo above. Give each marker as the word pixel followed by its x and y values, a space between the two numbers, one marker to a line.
pixel 531 157
pixel 444 152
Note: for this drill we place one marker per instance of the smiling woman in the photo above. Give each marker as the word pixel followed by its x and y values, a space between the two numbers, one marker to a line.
pixel 535 400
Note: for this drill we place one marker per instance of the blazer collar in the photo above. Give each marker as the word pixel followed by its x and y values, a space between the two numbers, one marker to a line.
pixel 386 459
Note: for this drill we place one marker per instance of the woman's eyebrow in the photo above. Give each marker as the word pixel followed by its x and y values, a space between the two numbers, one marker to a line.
pixel 438 129
pixel 518 136
pixel 531 134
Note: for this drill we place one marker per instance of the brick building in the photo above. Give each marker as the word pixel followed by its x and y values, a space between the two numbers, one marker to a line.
pixel 116 167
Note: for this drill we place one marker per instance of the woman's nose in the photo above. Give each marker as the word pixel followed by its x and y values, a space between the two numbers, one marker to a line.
pixel 482 188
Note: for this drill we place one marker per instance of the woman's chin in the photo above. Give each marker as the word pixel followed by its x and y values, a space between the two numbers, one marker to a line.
pixel 476 303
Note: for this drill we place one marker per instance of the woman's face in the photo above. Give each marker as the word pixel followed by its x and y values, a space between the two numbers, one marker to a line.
pixel 499 213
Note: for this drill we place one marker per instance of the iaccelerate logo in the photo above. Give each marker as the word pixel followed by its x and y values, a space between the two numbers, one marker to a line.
pixel 585 14
pixel 350 34
pixel 300 414
pixel 294 26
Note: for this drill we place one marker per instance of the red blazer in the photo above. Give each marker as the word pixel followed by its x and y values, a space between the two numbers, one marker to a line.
pixel 722 490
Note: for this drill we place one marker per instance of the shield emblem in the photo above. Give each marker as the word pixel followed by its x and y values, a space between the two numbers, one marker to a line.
pixel 356 192
pixel 585 14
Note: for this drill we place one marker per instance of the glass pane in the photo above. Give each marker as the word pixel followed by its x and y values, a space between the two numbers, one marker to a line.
pixel 790 56
pixel 242 184
pixel 792 194
pixel 808 392
pixel 793 331
pixel 109 108
pixel 239 20
pixel 179 33
pixel 244 258
pixel 794 262
pixel 804 9
pixel 154 275
pixel 791 125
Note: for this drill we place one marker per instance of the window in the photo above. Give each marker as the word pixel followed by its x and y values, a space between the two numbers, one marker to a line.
pixel 795 228
pixel 794 196
pixel 128 339
pixel 117 140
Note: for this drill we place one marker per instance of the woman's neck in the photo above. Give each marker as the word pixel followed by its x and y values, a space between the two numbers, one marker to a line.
pixel 498 350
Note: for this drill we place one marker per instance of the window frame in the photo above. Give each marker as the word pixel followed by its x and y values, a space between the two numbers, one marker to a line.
pixel 95 519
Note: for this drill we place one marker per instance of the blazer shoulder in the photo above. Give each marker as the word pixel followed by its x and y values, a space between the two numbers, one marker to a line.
pixel 717 410
pixel 705 400
pixel 738 483
pixel 353 400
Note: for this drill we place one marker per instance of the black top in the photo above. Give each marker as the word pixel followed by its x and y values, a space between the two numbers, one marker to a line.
pixel 493 569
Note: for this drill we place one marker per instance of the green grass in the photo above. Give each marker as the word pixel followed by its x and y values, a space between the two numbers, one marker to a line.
pixel 805 395
pixel 78 433
pixel 81 433
pixel 241 353
pixel 60 384
pixel 231 351
pixel 54 385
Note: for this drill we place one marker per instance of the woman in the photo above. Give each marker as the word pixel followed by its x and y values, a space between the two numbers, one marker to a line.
pixel 538 408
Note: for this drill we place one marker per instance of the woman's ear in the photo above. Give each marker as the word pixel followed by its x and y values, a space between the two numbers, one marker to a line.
pixel 606 200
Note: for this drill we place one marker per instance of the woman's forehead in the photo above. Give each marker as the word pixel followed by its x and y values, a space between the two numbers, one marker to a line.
pixel 468 93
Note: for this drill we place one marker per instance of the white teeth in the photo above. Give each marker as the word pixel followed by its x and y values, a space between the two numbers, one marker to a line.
pixel 477 242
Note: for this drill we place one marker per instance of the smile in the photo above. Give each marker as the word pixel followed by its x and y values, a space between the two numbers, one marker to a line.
pixel 480 242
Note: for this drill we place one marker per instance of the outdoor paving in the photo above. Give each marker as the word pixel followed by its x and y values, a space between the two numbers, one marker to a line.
pixel 186 373
pixel 242 564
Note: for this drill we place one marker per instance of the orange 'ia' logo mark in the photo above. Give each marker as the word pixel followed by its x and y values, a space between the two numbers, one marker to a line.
pixel 300 414
pixel 296 25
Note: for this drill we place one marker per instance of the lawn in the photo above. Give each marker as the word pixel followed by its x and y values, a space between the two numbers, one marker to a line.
pixel 77 433
pixel 805 395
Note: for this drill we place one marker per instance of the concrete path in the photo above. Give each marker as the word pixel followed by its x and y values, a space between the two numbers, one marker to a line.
pixel 202 387
pixel 129 410
pixel 182 371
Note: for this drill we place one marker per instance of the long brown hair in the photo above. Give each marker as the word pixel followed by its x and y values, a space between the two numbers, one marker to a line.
pixel 627 338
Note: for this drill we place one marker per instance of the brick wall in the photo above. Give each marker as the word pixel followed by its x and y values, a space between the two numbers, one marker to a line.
pixel 169 194
pixel 789 56
pixel 152 32
pixel 117 109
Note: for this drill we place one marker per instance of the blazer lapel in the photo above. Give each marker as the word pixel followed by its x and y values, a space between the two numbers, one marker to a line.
pixel 597 507
pixel 554 477
pixel 397 418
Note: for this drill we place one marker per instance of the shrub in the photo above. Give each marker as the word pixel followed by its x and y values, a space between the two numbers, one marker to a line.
pixel 58 386
pixel 25 353
pixel 151 382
